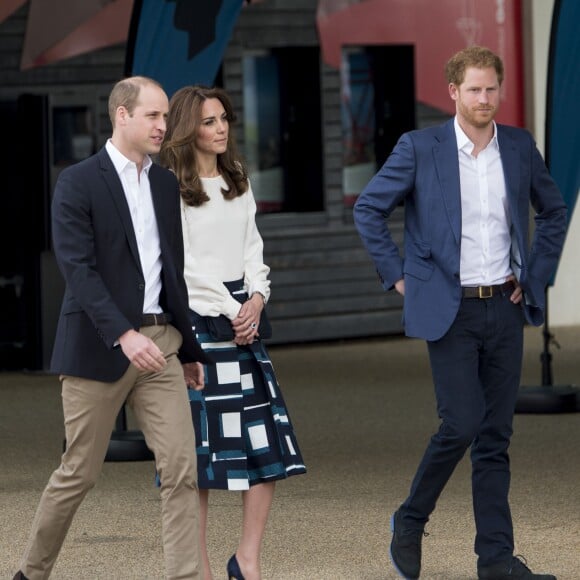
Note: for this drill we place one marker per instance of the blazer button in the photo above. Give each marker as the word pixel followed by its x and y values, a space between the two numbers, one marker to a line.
pixel 141 286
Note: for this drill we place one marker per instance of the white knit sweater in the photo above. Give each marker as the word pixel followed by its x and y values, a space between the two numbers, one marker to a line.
pixel 222 244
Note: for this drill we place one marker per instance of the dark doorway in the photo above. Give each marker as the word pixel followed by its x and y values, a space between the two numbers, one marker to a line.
pixel 393 74
pixel 377 106
pixel 23 230
pixel 301 128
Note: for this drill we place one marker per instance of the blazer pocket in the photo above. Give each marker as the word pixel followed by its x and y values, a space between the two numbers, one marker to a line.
pixel 422 249
pixel 421 269
pixel 71 306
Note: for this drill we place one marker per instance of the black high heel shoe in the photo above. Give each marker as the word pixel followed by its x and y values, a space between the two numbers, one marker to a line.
pixel 234 572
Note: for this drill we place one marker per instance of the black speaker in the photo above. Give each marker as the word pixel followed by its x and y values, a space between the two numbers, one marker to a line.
pixel 24 229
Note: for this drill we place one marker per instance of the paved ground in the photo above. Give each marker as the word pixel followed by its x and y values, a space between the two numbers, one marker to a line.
pixel 363 411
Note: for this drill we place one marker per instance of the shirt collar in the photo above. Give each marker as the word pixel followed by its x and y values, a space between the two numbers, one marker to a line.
pixel 121 162
pixel 465 143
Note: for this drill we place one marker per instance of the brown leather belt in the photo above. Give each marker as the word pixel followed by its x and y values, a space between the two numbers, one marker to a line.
pixel 488 291
pixel 155 319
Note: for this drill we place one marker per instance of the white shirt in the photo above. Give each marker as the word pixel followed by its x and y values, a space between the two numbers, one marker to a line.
pixel 485 214
pixel 222 244
pixel 138 194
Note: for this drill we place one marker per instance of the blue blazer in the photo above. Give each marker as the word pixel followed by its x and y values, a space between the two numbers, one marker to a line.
pixel 423 171
pixel 96 250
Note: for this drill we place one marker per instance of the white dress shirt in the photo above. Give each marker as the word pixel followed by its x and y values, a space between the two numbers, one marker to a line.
pixel 485 214
pixel 138 194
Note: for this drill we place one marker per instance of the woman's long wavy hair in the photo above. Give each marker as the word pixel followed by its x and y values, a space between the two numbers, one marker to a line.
pixel 178 149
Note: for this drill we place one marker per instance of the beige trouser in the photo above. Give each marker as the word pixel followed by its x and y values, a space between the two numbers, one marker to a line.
pixel 160 404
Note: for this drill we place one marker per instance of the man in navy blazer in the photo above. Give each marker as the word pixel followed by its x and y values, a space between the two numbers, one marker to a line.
pixel 470 278
pixel 124 329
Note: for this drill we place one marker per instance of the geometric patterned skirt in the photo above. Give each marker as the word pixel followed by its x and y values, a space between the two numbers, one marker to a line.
pixel 243 431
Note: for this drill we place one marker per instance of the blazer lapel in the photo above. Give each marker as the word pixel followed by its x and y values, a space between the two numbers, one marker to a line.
pixel 447 167
pixel 159 197
pixel 113 182
pixel 511 170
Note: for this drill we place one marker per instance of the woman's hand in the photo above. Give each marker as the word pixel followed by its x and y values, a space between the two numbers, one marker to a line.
pixel 246 323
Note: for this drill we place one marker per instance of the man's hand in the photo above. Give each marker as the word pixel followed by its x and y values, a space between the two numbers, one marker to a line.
pixel 143 353
pixel 517 294
pixel 400 286
pixel 194 375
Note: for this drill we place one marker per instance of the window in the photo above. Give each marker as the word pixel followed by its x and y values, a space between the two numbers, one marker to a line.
pixel 72 129
pixel 377 106
pixel 262 130
pixel 358 122
pixel 283 128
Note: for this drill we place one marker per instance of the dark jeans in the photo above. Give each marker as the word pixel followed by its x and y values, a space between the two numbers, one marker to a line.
pixel 476 370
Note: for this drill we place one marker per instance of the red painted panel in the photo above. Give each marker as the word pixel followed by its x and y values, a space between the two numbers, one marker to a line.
pixel 437 29
pixel 59 29
pixel 8 7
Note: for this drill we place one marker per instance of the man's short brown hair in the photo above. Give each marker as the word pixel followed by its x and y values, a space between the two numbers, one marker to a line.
pixel 473 56
pixel 126 94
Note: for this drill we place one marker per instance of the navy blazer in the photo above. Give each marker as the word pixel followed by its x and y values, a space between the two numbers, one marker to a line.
pixel 423 170
pixel 96 251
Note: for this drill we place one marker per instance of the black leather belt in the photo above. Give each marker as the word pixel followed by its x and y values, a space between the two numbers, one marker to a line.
pixel 155 319
pixel 488 291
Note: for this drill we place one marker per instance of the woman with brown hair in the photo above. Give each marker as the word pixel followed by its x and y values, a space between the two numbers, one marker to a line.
pixel 244 436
